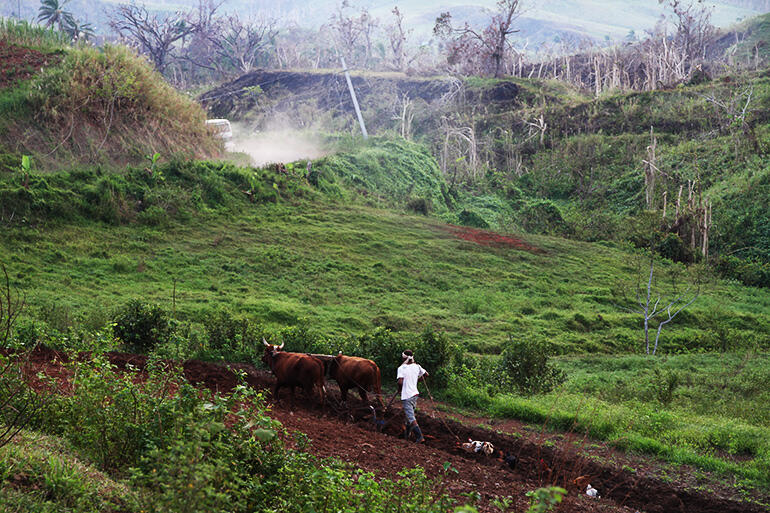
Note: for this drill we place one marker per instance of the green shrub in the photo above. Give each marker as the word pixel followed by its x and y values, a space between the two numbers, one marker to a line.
pixel 544 500
pixel 673 247
pixel 470 218
pixel 543 216
pixel 419 206
pixel 751 272
pixel 385 349
pixel 438 355
pixel 526 368
pixel 141 326
pixel 153 216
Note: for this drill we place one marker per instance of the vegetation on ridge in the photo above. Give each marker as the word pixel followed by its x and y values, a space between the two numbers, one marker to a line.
pixel 89 105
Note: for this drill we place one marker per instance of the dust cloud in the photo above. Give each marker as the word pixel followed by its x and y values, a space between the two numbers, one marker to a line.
pixel 272 146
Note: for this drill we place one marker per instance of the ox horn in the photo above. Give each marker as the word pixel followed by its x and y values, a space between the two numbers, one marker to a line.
pixel 281 346
pixel 265 342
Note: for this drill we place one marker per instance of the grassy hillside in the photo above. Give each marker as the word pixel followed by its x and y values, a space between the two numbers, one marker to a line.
pixel 67 105
pixel 343 265
pixel 234 254
pixel 582 175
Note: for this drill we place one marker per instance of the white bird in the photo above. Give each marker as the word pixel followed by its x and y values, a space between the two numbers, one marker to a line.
pixel 592 492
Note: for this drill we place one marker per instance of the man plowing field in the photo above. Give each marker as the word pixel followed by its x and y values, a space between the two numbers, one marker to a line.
pixel 408 374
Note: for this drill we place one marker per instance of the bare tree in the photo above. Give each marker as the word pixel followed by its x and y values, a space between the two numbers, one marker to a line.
pixel 11 305
pixel 459 152
pixel 240 43
pixel 153 34
pixel 19 403
pixel 353 34
pixel 655 305
pixel 733 107
pixel 493 41
pixel 397 36
pixel 405 115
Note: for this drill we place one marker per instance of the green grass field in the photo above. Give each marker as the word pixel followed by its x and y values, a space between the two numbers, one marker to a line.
pixel 341 267
pixel 349 268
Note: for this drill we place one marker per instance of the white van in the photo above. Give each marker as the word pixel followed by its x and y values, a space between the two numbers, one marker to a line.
pixel 221 129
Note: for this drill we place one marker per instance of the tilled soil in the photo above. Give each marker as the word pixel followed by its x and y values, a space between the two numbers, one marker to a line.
pixel 625 483
pixel 17 63
pixel 489 238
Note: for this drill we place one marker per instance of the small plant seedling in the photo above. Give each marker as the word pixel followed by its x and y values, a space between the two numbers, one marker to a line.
pixel 503 503
pixel 545 499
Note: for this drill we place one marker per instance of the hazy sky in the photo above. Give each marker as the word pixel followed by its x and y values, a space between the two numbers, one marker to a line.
pixel 595 18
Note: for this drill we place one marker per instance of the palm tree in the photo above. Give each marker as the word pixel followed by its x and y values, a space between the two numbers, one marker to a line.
pixel 52 13
pixel 78 31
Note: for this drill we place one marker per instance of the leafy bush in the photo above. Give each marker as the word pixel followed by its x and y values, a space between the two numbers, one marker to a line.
pixel 546 499
pixel 751 272
pixel 526 368
pixel 141 326
pixel 437 354
pixel 673 247
pixel 543 216
pixel 382 346
pixel 471 218
pixel 419 206
pixel 227 333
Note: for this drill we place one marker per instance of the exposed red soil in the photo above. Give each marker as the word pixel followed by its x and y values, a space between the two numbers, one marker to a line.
pixel 18 63
pixel 489 238
pixel 349 434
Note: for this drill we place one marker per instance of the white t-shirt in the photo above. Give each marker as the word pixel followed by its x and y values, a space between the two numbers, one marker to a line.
pixel 411 373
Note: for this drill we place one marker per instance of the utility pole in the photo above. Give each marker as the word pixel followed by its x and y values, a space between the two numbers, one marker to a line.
pixel 353 96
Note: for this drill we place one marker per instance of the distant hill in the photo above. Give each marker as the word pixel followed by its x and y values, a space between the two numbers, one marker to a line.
pixel 541 22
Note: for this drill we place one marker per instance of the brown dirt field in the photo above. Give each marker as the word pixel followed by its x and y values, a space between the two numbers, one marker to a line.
pixel 348 433
pixel 17 63
pixel 489 238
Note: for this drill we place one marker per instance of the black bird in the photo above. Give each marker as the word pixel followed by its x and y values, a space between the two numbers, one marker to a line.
pixel 508 459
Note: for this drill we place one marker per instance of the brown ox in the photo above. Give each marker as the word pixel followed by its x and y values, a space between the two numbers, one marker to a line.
pixel 294 369
pixel 354 372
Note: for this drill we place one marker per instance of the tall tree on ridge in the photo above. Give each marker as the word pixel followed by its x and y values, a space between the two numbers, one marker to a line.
pixel 52 13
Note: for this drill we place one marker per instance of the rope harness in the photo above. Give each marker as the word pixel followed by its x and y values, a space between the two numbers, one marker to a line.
pixel 433 404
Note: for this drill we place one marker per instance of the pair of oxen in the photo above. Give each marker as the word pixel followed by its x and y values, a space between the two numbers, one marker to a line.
pixel 307 371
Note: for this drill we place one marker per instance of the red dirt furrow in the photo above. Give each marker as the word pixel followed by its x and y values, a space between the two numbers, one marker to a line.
pixel 349 434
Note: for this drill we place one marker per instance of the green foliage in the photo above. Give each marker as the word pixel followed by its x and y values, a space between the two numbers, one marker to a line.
pixel 546 499
pixel 526 368
pixel 543 216
pixel 141 326
pixel 42 474
pixel 382 346
pixel 174 190
pixel 24 33
pixel 470 218
pixel 387 171
pixel 26 164
pixel 749 271
pixel 435 352
pixel 187 451
pixel 234 337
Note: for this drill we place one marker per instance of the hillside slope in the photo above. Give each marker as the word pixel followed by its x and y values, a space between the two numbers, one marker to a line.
pixel 280 248
pixel 67 106
pixel 539 156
